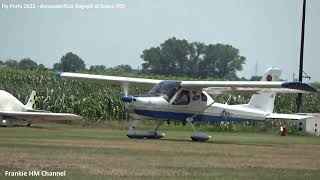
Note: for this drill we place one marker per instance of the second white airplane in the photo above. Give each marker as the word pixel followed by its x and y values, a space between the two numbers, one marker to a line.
pixel 11 109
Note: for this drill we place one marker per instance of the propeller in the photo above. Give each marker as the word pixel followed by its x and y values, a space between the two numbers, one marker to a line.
pixel 126 97
pixel 125 87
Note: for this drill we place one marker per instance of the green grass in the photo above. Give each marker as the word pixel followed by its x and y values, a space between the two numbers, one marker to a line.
pixel 97 153
pixel 69 132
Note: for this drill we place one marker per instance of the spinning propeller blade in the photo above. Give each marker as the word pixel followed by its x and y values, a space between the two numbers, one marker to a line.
pixel 125 87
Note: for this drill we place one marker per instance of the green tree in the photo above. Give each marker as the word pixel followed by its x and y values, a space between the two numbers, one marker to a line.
pixel 11 63
pixel 42 67
pixel 57 66
pixel 221 61
pixel 97 68
pixel 170 58
pixel 255 78
pixel 27 63
pixel 123 68
pixel 181 58
pixel 195 58
pixel 174 54
pixel 153 62
pixel 70 62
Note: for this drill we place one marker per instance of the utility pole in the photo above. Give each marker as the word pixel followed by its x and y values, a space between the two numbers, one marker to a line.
pixel 256 69
pixel 299 99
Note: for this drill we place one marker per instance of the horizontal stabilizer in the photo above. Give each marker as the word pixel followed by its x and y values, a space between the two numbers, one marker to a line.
pixel 45 116
pixel 287 116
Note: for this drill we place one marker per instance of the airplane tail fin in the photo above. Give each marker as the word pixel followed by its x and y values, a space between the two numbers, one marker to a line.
pixel 265 101
pixel 31 104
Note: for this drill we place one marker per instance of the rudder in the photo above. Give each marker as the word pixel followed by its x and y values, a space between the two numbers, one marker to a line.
pixel 31 104
pixel 265 101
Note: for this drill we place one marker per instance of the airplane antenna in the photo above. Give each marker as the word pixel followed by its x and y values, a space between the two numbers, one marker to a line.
pixel 299 99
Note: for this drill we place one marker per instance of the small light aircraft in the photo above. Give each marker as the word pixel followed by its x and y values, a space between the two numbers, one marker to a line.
pixel 11 109
pixel 189 101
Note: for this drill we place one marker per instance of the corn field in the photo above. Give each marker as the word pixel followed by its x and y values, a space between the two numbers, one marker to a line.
pixel 96 101
pixel 90 100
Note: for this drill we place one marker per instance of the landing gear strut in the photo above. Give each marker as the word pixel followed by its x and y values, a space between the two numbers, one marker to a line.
pixel 198 136
pixel 136 134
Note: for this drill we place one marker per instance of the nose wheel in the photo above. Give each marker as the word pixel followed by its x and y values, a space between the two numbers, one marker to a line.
pixel 133 133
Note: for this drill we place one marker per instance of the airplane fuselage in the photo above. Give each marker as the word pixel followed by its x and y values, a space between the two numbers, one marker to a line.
pixel 11 109
pixel 10 103
pixel 200 109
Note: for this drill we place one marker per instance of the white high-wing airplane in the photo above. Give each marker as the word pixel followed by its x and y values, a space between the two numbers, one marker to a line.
pixel 190 101
pixel 11 109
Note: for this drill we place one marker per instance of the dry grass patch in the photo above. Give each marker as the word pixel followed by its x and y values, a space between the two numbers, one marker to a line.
pixel 156 158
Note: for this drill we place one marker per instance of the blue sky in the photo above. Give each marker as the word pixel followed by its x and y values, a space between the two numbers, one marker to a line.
pixel 266 32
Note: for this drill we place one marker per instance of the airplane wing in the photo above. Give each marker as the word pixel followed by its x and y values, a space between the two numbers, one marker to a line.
pixel 248 87
pixel 249 91
pixel 214 87
pixel 287 116
pixel 46 116
pixel 110 79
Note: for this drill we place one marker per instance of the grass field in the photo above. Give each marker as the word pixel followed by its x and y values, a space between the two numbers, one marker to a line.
pixel 97 153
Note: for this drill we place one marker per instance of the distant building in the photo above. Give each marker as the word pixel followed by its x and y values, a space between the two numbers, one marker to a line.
pixel 3 66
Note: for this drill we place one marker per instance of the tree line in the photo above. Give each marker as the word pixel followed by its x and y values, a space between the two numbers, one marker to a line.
pixel 193 59
pixel 25 63
pixel 173 57
pixel 70 62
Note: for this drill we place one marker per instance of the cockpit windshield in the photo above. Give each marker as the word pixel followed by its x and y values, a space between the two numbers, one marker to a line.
pixel 166 89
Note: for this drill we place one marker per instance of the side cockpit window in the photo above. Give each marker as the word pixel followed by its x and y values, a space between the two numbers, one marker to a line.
pixel 203 97
pixel 183 98
pixel 195 96
pixel 166 89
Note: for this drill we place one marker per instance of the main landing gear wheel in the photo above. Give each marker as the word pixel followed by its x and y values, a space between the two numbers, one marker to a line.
pixel 200 137
pixel 7 123
pixel 136 134
pixel 197 136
